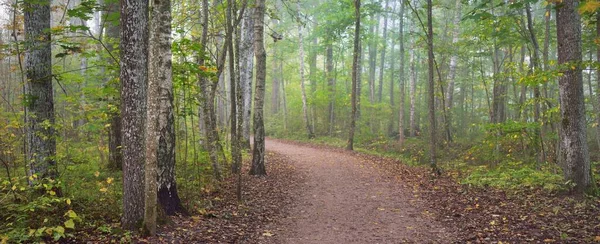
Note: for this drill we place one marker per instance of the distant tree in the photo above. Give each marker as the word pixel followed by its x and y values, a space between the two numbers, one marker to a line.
pixel 309 131
pixel 355 75
pixel 431 90
pixel 115 156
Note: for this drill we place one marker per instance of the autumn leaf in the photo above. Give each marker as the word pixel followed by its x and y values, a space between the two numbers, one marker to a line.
pixel 589 7
pixel 70 224
pixel 267 233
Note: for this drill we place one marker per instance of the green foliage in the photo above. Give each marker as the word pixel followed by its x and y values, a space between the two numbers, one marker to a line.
pixel 515 175
pixel 36 212
pixel 504 142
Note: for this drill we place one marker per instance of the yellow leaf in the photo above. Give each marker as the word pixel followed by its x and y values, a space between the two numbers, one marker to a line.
pixel 267 233
pixel 14 188
pixel 70 224
pixel 68 201
pixel 493 222
pixel 71 214
pixel 109 180
pixel 59 229
pixel 589 6
pixel 52 193
pixel 103 189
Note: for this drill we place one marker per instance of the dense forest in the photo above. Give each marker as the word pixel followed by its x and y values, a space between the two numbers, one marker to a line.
pixel 140 120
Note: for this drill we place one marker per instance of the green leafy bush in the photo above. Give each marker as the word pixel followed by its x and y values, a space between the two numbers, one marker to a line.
pixel 34 213
pixel 514 175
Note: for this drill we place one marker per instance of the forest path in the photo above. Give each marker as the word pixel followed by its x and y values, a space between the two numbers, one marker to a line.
pixel 347 199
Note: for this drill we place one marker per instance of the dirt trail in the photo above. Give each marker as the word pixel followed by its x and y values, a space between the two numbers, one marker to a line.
pixel 346 199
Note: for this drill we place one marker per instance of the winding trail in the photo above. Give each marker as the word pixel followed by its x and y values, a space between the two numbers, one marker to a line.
pixel 347 199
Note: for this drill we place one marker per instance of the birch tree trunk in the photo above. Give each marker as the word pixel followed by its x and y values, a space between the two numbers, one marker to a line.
pixel 413 90
pixel 168 198
pixel 246 70
pixel 383 49
pixel 355 75
pixel 41 142
pixel 134 75
pixel 302 86
pixel 431 90
pixel 372 49
pixel 454 58
pixel 330 86
pixel 401 77
pixel 258 153
pixel 575 153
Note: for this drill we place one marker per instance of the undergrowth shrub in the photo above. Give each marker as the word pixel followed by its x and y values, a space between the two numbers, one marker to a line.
pixel 514 175
pixel 34 213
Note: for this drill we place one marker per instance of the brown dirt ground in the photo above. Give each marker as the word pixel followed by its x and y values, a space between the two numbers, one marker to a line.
pixel 347 199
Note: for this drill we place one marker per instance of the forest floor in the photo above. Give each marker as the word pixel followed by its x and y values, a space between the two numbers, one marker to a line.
pixel 320 194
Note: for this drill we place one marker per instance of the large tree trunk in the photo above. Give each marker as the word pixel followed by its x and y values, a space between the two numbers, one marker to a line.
pixel 236 153
pixel 355 75
pixel 246 71
pixel 157 73
pixel 168 198
pixel 41 142
pixel 575 152
pixel 134 75
pixel 402 83
pixel 302 86
pixel 598 86
pixel 258 153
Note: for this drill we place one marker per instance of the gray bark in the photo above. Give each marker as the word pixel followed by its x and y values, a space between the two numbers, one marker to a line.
pixel 134 75
pixel 373 32
pixel 168 198
pixel 431 90
pixel 330 87
pixel 275 83
pixel 258 154
pixel 246 70
pixel 402 82
pixel 355 75
pixel 302 86
pixel 575 152
pixel 413 90
pixel 383 50
pixel 454 58
pixel 39 98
